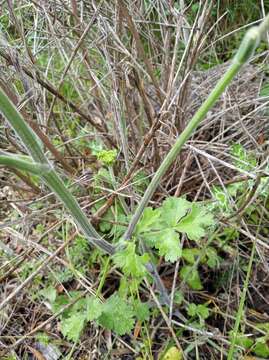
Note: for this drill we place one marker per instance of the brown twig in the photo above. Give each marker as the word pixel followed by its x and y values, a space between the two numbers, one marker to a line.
pixel 140 49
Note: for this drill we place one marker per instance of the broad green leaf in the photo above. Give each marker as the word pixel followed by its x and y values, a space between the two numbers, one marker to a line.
pixel 94 308
pixel 117 315
pixel 149 218
pixel 168 244
pixel 131 263
pixel 72 326
pixel 191 276
pixel 173 209
pixel 195 223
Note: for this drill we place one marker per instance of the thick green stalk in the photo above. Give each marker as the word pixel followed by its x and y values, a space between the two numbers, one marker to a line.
pixel 51 178
pixel 245 51
pixel 34 168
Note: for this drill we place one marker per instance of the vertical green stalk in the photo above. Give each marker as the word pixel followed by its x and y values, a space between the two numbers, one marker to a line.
pixel 245 51
pixel 241 305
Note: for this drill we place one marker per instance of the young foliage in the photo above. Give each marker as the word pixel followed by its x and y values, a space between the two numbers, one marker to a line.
pixel 160 228
pixel 200 310
pixel 117 315
pixel 191 277
pixel 131 263
pixel 73 326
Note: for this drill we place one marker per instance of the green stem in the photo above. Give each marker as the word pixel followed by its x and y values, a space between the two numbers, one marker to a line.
pixel 241 305
pixel 51 178
pixel 245 51
pixel 34 168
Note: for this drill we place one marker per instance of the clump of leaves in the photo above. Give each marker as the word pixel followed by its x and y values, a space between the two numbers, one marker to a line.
pixel 161 228
pixel 258 346
pixel 200 311
pixel 107 157
pixel 116 313
pixel 131 263
pixel 244 159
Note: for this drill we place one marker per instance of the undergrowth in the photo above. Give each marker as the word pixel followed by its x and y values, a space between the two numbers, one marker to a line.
pixel 108 88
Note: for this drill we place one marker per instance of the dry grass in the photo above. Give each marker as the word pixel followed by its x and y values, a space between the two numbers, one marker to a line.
pixel 127 75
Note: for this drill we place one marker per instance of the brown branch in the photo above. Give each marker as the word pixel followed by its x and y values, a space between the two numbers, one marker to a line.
pixel 140 49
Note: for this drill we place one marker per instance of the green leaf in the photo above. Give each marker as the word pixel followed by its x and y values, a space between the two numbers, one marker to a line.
pixel 124 287
pixel 173 354
pixel 63 300
pixel 168 244
pixel 191 255
pixel 261 348
pixel 213 260
pixel 179 297
pixel 191 276
pixel 117 315
pixel 131 263
pixel 149 218
pixel 94 308
pixel 72 326
pixel 242 340
pixel 49 293
pixel 107 157
pixel 203 311
pixel 263 326
pixel 192 309
pixel 195 223
pixel 141 310
pixel 198 310
pixel 173 209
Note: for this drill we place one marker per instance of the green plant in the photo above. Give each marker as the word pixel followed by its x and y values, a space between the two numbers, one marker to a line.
pixel 115 313
pixel 257 346
pixel 46 171
pixel 159 230
pixel 245 51
pixel 198 311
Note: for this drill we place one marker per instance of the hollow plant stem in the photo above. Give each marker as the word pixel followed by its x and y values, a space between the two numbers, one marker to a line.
pixel 50 177
pixel 245 51
pixel 12 162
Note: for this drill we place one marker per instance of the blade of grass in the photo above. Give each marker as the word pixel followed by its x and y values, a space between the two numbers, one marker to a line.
pixel 241 305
